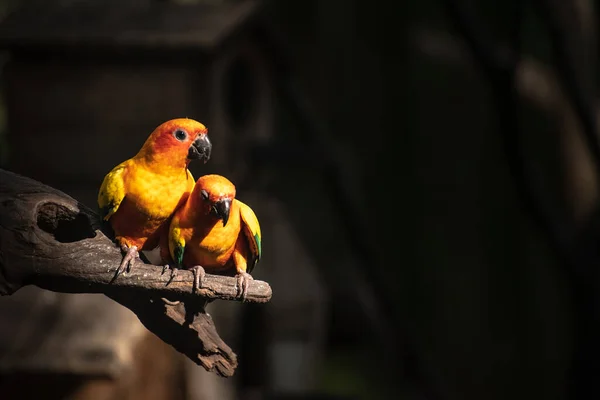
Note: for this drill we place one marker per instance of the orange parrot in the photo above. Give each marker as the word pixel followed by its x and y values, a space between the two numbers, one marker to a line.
pixel 216 233
pixel 139 195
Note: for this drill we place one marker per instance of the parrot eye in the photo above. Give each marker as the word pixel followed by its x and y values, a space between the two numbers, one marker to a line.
pixel 204 194
pixel 180 135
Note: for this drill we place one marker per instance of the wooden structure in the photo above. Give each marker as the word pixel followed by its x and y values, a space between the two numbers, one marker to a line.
pixel 95 78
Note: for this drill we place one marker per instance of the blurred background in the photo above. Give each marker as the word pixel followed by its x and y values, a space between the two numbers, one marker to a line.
pixel 425 173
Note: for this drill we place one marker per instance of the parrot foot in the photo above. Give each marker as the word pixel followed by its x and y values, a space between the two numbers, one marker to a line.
pixel 131 254
pixel 243 279
pixel 199 275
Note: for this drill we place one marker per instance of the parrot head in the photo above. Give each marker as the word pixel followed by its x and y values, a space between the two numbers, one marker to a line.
pixel 177 142
pixel 215 193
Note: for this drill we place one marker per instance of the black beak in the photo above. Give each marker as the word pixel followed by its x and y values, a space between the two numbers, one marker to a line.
pixel 200 149
pixel 222 209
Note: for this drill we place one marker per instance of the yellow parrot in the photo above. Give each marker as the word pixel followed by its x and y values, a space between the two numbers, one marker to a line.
pixel 216 233
pixel 138 196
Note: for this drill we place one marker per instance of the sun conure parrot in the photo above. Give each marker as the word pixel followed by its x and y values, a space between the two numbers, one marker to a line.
pixel 214 232
pixel 139 195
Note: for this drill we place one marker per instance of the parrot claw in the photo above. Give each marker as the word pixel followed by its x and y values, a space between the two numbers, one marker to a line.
pixel 174 272
pixel 131 254
pixel 199 275
pixel 243 279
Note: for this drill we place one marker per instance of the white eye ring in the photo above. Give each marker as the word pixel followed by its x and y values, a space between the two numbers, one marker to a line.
pixel 180 134
pixel 204 194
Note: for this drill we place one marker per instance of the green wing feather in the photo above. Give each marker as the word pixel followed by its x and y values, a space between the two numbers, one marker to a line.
pixel 176 245
pixel 178 254
pixel 251 229
pixel 112 191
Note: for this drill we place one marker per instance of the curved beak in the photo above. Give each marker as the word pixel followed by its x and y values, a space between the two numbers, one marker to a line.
pixel 222 209
pixel 200 149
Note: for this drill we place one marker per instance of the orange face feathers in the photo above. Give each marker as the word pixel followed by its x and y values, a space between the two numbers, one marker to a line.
pixel 214 188
pixel 213 195
pixel 176 142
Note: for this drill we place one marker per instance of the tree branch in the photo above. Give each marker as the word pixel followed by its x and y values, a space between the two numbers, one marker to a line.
pixel 50 240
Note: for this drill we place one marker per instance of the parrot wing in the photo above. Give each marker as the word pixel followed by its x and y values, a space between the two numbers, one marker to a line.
pixel 190 179
pixel 176 243
pixel 112 191
pixel 251 229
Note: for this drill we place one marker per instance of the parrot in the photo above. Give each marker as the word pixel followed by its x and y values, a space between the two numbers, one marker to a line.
pixel 216 233
pixel 139 196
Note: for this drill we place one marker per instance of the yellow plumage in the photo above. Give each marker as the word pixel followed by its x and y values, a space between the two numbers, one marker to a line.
pixel 139 205
pixel 252 231
pixel 217 241
pixel 138 196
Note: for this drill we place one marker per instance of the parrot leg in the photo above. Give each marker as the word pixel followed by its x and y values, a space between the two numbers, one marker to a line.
pixel 199 275
pixel 131 254
pixel 243 278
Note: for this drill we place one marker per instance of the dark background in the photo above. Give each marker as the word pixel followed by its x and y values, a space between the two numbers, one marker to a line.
pixel 424 172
